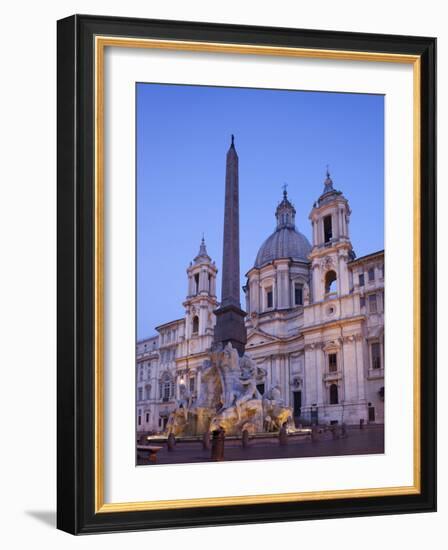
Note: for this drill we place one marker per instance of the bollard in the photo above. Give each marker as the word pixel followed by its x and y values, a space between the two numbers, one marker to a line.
pixel 206 441
pixel 171 442
pixel 245 439
pixel 361 423
pixel 218 437
pixel 283 435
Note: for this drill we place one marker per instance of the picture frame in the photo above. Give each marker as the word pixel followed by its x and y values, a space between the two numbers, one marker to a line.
pixel 82 41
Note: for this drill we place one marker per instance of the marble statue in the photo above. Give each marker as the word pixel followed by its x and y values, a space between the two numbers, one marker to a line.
pixel 229 399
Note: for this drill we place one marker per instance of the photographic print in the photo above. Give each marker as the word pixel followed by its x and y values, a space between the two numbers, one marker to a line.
pixel 226 195
pixel 260 274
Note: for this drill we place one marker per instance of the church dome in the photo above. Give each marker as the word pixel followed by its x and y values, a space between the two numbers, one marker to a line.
pixel 286 241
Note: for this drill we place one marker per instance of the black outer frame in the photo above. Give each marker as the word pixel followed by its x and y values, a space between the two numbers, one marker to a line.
pixel 75 310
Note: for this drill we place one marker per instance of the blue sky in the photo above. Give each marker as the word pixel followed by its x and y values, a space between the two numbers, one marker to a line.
pixel 183 134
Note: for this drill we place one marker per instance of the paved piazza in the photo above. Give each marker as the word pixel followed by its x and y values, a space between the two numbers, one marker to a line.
pixel 369 440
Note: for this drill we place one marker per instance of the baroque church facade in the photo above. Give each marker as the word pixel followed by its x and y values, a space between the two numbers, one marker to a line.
pixel 315 324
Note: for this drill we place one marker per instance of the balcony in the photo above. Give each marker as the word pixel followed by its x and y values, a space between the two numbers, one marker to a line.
pixel 332 376
pixel 374 374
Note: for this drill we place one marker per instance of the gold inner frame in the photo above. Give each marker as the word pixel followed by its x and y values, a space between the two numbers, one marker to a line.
pixel 101 42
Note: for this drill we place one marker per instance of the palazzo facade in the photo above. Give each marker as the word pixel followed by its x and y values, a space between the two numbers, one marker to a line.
pixel 315 324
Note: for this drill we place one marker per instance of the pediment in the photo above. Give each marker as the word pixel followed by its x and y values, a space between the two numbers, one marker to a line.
pixel 258 337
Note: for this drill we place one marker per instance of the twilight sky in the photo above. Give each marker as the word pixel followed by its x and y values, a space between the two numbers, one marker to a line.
pixel 183 134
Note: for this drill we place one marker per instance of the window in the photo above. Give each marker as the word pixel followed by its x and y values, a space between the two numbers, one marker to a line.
pixel 332 362
pixel 334 398
pixel 192 384
pixel 196 283
pixel 147 417
pixel 298 295
pixel 165 387
pixel 269 297
pixel 376 355
pixel 139 420
pixel 361 279
pixel 141 373
pixel 371 274
pixel 148 392
pixel 372 303
pixel 140 394
pixel 195 324
pixel 328 233
pixel 362 301
pixel 330 282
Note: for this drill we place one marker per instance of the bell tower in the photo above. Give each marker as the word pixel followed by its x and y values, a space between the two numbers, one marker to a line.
pixel 332 249
pixel 201 299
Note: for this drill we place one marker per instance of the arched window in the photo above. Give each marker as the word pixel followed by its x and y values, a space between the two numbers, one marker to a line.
pixel 195 324
pixel 196 283
pixel 298 294
pixel 269 297
pixel 334 398
pixel 331 284
pixel 328 231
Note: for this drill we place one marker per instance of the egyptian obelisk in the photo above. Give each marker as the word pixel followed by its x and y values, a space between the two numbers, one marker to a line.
pixel 230 325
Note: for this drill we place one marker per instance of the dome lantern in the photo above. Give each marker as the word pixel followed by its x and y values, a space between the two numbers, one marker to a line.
pixel 285 212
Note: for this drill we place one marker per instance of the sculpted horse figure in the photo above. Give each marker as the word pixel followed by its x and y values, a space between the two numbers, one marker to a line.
pixel 274 408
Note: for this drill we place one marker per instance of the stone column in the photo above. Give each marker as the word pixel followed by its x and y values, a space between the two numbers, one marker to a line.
pixel 320 369
pixel 310 375
pixel 203 313
pixel 350 376
pixel 360 368
pixel 317 287
pixel 203 280
pixel 212 285
pixel 198 384
pixel 254 297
